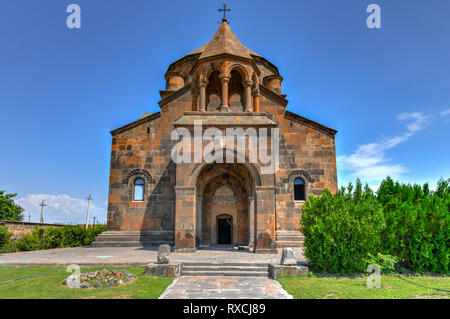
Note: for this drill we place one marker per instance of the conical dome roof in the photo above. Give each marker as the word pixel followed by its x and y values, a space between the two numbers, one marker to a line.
pixel 224 42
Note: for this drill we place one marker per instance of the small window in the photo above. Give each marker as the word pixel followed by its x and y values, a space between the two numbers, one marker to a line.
pixel 139 186
pixel 299 189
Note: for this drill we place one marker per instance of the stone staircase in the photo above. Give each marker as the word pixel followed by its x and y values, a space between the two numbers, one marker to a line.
pixel 225 269
pixel 286 238
pixel 134 238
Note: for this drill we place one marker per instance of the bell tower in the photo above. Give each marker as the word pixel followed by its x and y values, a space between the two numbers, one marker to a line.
pixel 225 72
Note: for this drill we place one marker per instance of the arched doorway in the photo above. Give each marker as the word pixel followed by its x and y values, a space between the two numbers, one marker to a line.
pixel 223 205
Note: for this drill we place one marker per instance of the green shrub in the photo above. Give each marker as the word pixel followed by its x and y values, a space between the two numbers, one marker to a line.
pixel 387 263
pixel 52 238
pixel 55 237
pixel 5 236
pixel 417 225
pixel 29 242
pixel 341 230
pixel 406 224
pixel 74 236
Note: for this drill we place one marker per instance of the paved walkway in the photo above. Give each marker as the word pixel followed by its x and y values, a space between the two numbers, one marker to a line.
pixel 225 288
pixel 130 256
pixel 181 288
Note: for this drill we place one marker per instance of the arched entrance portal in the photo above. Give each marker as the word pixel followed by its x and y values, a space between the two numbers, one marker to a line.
pixel 224 203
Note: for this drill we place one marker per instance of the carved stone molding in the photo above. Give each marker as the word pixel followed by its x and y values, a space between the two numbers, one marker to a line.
pixel 298 173
pixel 224 195
pixel 138 173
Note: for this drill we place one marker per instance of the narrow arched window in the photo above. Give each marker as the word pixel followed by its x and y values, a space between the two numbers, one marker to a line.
pixel 139 186
pixel 299 189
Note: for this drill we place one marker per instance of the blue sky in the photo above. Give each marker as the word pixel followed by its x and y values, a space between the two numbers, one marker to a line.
pixel 62 90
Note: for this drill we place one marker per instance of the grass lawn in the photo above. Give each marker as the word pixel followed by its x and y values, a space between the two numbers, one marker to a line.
pixel 50 286
pixel 392 287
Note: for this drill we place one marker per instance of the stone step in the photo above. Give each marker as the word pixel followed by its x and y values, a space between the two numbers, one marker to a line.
pixel 142 233
pixel 129 243
pixel 225 264
pixel 225 273
pixel 133 238
pixel 282 244
pixel 225 268
pixel 290 238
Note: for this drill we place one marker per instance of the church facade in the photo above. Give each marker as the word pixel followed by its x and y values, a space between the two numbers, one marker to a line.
pixel 155 199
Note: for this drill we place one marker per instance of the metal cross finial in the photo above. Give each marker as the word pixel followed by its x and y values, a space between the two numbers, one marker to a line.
pixel 224 10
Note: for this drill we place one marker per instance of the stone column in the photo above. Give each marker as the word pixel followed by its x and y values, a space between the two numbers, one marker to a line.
pixel 185 223
pixel 198 219
pixel 248 95
pixel 225 80
pixel 265 220
pixel 256 101
pixel 203 84
pixel 251 222
pixel 195 92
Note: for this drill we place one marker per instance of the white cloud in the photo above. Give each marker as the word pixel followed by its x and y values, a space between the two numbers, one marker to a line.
pixel 59 209
pixel 445 113
pixel 419 122
pixel 370 163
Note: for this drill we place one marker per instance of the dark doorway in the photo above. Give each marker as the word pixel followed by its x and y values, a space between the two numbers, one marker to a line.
pixel 224 226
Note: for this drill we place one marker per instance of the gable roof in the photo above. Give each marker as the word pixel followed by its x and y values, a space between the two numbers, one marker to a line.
pixel 310 123
pixel 141 120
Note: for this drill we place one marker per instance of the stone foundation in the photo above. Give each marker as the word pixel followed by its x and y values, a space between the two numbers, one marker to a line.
pixel 276 271
pixel 172 270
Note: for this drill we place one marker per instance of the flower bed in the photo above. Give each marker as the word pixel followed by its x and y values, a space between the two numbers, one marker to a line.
pixel 98 279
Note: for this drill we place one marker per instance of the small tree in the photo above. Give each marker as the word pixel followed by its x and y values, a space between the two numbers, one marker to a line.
pixel 8 209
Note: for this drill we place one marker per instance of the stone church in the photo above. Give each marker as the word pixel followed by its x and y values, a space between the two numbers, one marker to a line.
pixel 153 200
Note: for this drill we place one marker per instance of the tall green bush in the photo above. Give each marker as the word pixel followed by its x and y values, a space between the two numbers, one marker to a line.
pixel 341 230
pixel 346 231
pixel 417 224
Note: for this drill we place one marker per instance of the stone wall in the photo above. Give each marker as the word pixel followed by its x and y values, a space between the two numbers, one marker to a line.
pixel 18 229
pixel 307 150
pixel 144 151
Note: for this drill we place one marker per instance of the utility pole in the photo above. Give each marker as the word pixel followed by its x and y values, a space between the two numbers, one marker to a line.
pixel 94 221
pixel 42 204
pixel 29 217
pixel 89 206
